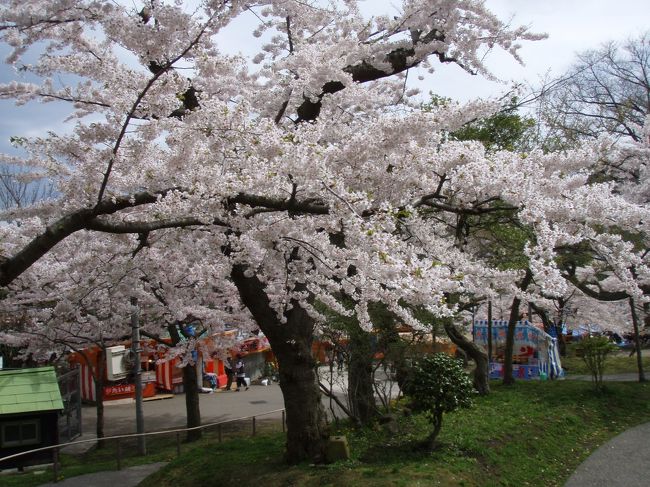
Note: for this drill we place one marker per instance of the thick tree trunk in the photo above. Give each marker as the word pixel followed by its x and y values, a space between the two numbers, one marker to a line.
pixel 508 378
pixel 637 341
pixel 550 327
pixel 561 341
pixel 291 343
pixel 191 386
pixel 306 428
pixel 489 336
pixel 361 392
pixel 99 396
pixel 481 382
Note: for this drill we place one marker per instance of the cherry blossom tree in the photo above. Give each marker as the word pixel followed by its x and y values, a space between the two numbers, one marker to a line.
pixel 91 306
pixel 299 175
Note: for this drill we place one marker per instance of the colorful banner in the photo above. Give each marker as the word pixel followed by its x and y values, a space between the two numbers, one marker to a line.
pixel 535 353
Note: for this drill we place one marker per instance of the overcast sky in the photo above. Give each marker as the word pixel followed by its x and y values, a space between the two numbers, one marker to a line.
pixel 572 25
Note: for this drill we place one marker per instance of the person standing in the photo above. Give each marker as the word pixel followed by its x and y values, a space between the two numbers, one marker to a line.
pixel 228 367
pixel 241 373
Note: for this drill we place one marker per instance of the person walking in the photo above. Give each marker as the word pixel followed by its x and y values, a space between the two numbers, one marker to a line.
pixel 241 373
pixel 228 367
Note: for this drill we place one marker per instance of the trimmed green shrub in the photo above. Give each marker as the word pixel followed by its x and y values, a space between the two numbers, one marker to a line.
pixel 438 384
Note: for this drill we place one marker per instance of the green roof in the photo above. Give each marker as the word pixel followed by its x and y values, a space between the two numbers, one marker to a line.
pixel 29 390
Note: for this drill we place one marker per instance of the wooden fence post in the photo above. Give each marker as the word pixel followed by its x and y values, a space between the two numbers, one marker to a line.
pixel 55 466
pixel 119 455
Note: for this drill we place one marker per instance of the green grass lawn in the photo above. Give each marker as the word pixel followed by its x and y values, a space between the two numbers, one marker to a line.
pixel 616 363
pixel 532 434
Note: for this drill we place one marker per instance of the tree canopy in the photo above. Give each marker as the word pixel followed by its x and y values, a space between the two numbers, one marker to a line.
pixel 244 190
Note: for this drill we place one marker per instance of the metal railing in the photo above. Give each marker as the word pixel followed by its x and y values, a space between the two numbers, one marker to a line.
pixel 119 438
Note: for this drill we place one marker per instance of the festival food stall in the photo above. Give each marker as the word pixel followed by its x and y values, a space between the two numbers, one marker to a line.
pixel 160 374
pixel 535 354
pixel 94 360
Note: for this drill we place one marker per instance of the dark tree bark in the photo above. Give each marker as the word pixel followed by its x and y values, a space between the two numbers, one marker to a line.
pixel 481 382
pixel 396 61
pixel 637 341
pixel 437 425
pixel 98 371
pixel 98 378
pixel 550 326
pixel 191 386
pixel 489 337
pixel 14 266
pixel 292 346
pixel 508 378
pixel 361 392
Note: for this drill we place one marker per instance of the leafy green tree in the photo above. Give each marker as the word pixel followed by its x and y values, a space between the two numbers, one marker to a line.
pixel 438 384
pixel 594 353
pixel 505 130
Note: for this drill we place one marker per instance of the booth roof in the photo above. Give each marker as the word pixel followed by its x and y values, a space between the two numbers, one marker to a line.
pixel 29 390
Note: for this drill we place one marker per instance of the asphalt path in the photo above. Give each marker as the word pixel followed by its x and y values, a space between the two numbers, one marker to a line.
pixel 127 477
pixel 170 413
pixel 624 461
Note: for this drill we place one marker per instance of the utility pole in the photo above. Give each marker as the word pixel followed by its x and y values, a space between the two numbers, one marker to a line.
pixel 137 375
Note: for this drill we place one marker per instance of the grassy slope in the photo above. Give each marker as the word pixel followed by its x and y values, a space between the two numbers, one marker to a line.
pixel 532 434
pixel 616 363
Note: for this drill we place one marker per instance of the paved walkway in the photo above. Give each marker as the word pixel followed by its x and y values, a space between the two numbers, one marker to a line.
pixel 127 477
pixel 624 461
pixel 171 413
